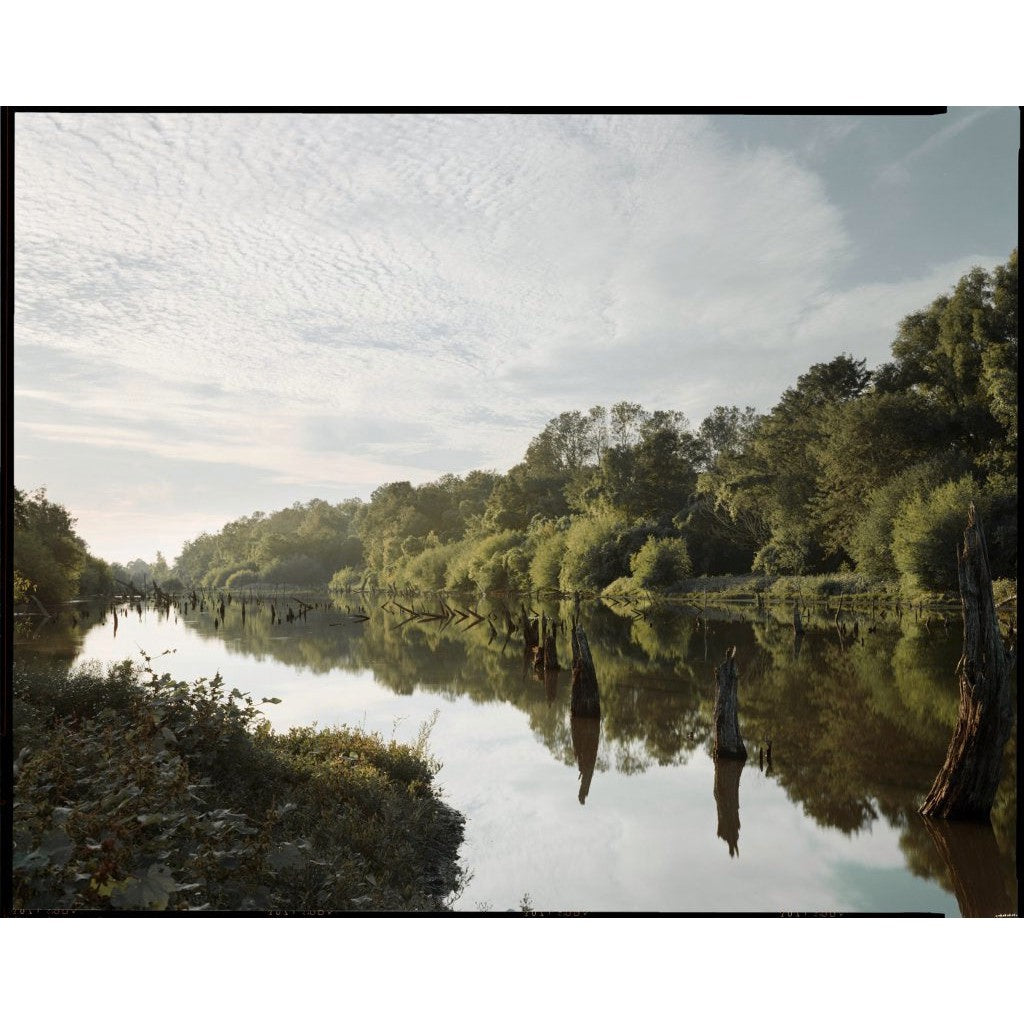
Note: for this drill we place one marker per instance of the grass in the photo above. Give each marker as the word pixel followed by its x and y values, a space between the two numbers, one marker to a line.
pixel 134 791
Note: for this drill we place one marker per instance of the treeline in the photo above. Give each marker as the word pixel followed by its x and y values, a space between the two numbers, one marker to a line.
pixel 52 564
pixel 854 469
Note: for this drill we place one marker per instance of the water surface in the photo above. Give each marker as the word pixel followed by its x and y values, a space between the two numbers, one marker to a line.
pixel 631 813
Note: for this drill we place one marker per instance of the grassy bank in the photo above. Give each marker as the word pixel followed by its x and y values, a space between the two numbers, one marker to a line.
pixel 854 589
pixel 137 792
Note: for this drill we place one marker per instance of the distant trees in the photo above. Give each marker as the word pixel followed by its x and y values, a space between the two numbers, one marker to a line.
pixel 853 468
pixel 839 471
pixel 51 562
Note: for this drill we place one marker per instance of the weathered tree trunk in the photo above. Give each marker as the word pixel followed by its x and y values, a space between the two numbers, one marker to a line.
pixel 727 724
pixel 585 735
pixel 550 686
pixel 529 628
pixel 971 856
pixel 798 626
pixel 550 652
pixel 727 801
pixel 585 701
pixel 966 785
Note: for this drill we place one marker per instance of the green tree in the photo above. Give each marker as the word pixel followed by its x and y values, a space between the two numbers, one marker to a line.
pixel 928 528
pixel 49 557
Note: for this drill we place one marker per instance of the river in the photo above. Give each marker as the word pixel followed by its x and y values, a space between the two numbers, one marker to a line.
pixel 844 733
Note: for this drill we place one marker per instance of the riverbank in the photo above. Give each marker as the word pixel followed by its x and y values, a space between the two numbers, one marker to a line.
pixel 137 792
pixel 853 589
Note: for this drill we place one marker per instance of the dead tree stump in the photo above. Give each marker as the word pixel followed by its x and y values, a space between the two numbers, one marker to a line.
pixel 585 701
pixel 727 723
pixel 966 785
pixel 550 652
pixel 798 626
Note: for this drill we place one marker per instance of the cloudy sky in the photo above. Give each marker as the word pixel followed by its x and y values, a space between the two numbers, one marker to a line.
pixel 222 313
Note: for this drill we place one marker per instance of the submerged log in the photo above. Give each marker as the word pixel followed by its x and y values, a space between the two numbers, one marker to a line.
pixel 727 723
pixel 966 785
pixel 586 699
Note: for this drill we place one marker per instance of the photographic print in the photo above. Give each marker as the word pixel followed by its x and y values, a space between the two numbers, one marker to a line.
pixel 515 512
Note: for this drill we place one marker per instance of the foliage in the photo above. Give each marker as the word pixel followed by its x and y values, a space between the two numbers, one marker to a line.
pixel 494 562
pixel 660 563
pixel 549 551
pixel 594 552
pixel 137 792
pixel 870 542
pixel 51 562
pixel 814 486
pixel 346 579
pixel 929 528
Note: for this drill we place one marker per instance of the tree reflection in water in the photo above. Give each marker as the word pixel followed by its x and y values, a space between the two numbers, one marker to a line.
pixel 971 855
pixel 859 728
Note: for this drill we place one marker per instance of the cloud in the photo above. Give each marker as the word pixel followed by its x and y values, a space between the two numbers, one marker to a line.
pixel 340 300
pixel 398 266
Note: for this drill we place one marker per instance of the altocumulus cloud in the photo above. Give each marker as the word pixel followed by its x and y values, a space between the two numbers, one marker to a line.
pixel 341 300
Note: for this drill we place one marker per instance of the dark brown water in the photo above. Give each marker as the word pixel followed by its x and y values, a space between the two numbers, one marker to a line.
pixel 631 814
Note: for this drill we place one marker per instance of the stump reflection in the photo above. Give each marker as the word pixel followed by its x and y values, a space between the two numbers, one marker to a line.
pixel 727 800
pixel 585 735
pixel 971 855
pixel 550 684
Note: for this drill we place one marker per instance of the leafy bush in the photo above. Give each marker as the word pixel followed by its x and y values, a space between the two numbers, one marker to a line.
pixel 498 561
pixel 546 564
pixel 238 580
pixel 929 529
pixel 597 551
pixel 812 588
pixel 660 563
pixel 1003 590
pixel 346 579
pixel 426 571
pixel 137 792
pixel 871 539
pixel 296 570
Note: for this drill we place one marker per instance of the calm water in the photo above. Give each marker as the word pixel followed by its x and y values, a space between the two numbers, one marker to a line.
pixel 630 814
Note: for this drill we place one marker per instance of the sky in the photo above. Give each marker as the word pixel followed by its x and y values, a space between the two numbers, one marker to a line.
pixel 223 313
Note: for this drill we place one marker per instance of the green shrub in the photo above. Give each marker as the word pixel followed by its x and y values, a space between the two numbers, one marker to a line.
pixel 546 564
pixel 595 553
pixel 1003 590
pixel 137 792
pixel 661 563
pixel 238 580
pixel 871 539
pixel 426 571
pixel 495 562
pixel 929 528
pixel 346 579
